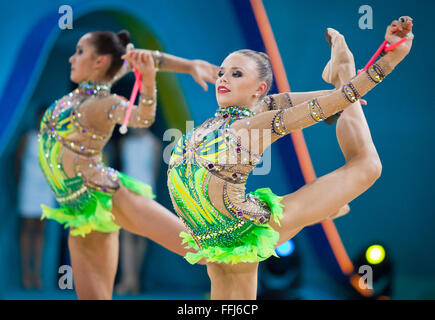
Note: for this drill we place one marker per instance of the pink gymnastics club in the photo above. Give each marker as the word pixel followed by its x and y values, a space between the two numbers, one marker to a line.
pixel 384 47
pixel 136 88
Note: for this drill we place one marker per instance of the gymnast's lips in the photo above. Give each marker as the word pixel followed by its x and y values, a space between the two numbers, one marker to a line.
pixel 223 89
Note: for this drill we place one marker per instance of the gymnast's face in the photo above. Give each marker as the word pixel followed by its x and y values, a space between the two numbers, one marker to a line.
pixel 238 83
pixel 86 65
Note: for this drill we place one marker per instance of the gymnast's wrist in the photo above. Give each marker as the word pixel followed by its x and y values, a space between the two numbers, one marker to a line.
pixel 390 60
pixel 148 89
pixel 148 97
pixel 148 83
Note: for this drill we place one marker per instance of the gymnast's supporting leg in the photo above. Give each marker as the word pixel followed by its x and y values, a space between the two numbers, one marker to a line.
pixel 94 261
pixel 315 201
pixel 95 258
pixel 233 281
pixel 311 203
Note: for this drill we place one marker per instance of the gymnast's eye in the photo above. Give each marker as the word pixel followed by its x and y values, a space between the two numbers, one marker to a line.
pixel 220 73
pixel 402 19
pixel 237 74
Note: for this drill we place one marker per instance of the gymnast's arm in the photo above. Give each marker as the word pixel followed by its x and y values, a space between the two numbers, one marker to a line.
pixel 299 97
pixel 288 99
pixel 170 63
pixel 142 115
pixel 200 70
pixel 284 121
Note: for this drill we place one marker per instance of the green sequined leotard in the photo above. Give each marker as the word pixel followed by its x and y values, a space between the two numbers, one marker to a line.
pixel 85 193
pixel 224 225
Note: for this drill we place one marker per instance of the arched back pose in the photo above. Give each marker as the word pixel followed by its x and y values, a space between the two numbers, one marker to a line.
pixel 73 133
pixel 207 173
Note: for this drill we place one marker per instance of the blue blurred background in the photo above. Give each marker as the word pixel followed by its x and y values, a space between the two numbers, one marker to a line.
pixel 396 211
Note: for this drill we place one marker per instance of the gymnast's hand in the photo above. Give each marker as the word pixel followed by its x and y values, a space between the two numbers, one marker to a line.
pixel 144 63
pixel 396 31
pixel 203 72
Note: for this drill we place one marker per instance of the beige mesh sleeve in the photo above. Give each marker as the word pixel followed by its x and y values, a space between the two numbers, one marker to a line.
pixel 142 115
pixel 287 99
pixel 284 121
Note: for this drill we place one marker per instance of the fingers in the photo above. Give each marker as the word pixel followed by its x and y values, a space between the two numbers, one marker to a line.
pixel 392 33
pixel 214 74
pixel 205 72
pixel 210 72
pixel 141 59
pixel 212 77
pixel 406 24
pixel 129 48
pixel 203 84
pixel 397 28
pixel 401 27
pixel 394 27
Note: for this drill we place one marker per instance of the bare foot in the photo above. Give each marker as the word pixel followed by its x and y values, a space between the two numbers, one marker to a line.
pixel 341 67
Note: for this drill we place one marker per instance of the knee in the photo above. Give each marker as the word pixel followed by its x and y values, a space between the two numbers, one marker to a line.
pixel 371 169
pixel 215 271
pixel 92 241
pixel 230 270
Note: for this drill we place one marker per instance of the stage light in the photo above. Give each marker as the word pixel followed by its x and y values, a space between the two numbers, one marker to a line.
pixel 280 276
pixel 375 254
pixel 285 249
pixel 375 266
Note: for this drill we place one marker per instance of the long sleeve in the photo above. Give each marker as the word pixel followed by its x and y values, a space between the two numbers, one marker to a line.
pixel 284 121
pixel 142 115
pixel 287 99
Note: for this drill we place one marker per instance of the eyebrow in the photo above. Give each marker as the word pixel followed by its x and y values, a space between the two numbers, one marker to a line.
pixel 232 68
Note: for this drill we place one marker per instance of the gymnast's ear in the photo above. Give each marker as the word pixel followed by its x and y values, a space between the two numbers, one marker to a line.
pixel 261 89
pixel 103 61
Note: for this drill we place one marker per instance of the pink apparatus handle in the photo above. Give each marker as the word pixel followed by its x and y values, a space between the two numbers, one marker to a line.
pixel 137 86
pixel 385 46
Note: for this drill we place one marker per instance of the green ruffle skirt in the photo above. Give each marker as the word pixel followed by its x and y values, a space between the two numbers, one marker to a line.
pixel 257 244
pixel 92 211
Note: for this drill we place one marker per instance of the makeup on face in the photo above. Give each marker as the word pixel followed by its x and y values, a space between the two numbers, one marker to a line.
pixel 237 81
pixel 82 62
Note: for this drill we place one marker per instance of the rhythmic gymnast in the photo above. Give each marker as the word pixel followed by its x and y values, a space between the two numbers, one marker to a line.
pixel 96 200
pixel 209 166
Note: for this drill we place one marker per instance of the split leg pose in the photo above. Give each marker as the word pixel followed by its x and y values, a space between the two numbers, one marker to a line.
pixel 232 230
